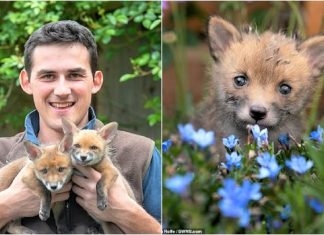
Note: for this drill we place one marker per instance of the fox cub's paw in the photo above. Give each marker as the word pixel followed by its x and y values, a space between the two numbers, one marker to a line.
pixel 102 203
pixel 44 214
pixel 27 231
pixel 102 197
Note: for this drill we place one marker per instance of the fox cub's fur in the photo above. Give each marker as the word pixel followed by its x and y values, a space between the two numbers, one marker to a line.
pixel 93 148
pixel 262 79
pixel 46 170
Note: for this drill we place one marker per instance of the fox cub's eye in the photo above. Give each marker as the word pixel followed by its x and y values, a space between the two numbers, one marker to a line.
pixel 284 89
pixel 240 80
pixel 77 146
pixel 93 147
pixel 61 169
pixel 44 171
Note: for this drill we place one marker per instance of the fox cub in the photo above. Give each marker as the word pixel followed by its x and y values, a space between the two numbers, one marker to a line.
pixel 262 79
pixel 46 170
pixel 93 148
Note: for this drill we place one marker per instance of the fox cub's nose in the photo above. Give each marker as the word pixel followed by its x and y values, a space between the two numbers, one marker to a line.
pixel 83 158
pixel 258 112
pixel 53 187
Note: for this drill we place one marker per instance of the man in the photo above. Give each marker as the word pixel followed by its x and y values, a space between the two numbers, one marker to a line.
pixel 61 74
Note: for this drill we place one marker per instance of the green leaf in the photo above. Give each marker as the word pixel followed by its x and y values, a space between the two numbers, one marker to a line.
pixel 122 19
pixel 106 38
pixel 143 60
pixel 147 23
pixel 154 118
pixel 150 16
pixel 111 32
pixel 155 24
pixel 156 55
pixel 156 70
pixel 138 19
pixel 127 77
pixel 112 19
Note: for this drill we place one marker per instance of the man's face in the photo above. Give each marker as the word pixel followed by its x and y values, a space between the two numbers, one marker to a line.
pixel 61 83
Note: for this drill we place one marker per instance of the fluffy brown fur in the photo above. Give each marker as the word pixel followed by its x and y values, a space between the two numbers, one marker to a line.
pixel 270 63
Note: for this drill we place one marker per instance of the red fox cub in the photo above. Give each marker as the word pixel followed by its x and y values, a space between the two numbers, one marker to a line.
pixel 93 148
pixel 265 79
pixel 46 170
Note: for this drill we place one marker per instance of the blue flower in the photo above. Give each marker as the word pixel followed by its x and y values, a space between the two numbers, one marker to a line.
pixel 316 205
pixel 231 205
pixel 299 164
pixel 230 187
pixel 260 136
pixel 230 142
pixel 286 212
pixel 166 145
pixel 284 139
pixel 269 166
pixel 272 224
pixel 186 132
pixel 251 190
pixel 179 183
pixel 235 199
pixel 276 224
pixel 233 160
pixel 317 135
pixel 204 138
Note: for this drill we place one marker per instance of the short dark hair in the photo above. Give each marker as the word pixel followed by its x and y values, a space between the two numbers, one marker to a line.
pixel 61 32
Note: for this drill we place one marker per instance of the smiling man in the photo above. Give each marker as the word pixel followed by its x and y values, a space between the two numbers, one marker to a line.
pixel 61 74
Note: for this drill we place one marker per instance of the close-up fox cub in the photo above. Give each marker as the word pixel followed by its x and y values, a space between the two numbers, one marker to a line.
pixel 93 148
pixel 45 170
pixel 266 79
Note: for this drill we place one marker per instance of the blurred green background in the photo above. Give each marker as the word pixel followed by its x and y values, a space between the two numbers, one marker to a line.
pixel 128 35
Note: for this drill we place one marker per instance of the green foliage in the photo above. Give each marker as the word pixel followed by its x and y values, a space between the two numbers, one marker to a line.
pixel 130 22
pixel 155 105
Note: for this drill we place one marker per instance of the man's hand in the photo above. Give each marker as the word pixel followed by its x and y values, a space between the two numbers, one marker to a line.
pixel 122 210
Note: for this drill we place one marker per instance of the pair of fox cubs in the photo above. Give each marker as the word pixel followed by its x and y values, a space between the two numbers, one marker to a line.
pixel 48 168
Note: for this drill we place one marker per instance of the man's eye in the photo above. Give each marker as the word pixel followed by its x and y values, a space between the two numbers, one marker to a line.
pixel 47 76
pixel 75 75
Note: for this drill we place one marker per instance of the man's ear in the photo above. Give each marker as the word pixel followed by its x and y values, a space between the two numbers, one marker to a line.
pixel 314 50
pixel 24 82
pixel 97 82
pixel 221 34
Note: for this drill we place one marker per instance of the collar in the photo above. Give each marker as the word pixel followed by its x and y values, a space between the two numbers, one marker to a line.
pixel 32 125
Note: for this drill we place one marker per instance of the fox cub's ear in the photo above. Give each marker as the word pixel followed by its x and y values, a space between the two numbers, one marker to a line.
pixel 221 34
pixel 66 142
pixel 109 131
pixel 68 126
pixel 33 150
pixel 314 49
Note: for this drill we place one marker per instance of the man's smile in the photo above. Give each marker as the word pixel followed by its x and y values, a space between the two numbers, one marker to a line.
pixel 61 105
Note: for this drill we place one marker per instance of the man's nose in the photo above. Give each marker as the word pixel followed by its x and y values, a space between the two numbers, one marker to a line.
pixel 62 88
